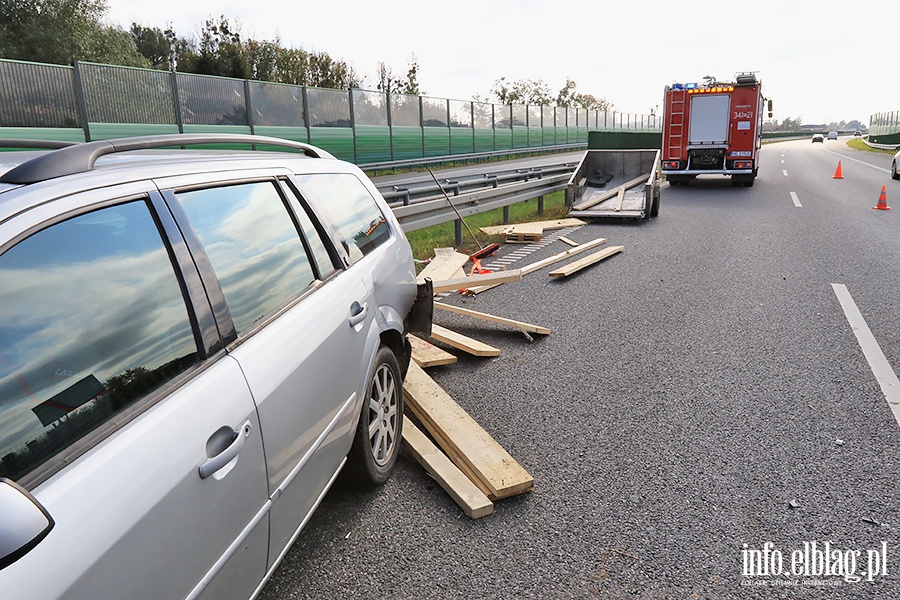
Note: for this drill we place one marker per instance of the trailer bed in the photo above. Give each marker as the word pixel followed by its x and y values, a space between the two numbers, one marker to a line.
pixel 615 183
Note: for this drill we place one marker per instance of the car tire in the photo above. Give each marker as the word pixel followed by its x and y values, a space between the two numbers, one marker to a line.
pixel 894 173
pixel 377 442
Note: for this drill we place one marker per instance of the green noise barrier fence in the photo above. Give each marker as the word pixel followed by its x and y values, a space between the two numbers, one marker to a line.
pixel 89 101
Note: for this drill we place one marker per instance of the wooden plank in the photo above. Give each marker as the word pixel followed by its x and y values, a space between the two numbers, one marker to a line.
pixel 520 325
pixel 427 354
pixel 450 285
pixel 466 494
pixel 562 255
pixel 619 199
pixel 467 444
pixel 446 263
pixel 545 262
pixel 594 200
pixel 587 261
pixel 464 343
pixel 548 225
pixel 566 240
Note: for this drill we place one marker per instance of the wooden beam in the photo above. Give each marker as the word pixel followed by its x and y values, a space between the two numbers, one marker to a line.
pixel 468 445
pixel 587 261
pixel 427 354
pixel 464 343
pixel 465 493
pixel 521 326
pixel 450 285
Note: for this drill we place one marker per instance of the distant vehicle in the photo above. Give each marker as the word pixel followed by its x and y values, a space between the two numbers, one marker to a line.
pixel 894 173
pixel 857 133
pixel 818 137
pixel 832 135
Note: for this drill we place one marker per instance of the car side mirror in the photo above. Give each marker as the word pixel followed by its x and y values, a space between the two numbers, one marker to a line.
pixel 23 522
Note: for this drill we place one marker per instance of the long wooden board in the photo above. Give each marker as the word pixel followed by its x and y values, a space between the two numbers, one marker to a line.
pixel 545 262
pixel 427 354
pixel 587 261
pixel 450 285
pixel 465 493
pixel 464 343
pixel 520 325
pixel 472 449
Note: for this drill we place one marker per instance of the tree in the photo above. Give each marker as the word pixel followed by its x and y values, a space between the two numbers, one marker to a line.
pixel 391 84
pixel 527 91
pixel 63 31
pixel 220 50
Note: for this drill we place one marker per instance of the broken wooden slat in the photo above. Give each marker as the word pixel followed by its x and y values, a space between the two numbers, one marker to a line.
pixel 427 354
pixel 521 326
pixel 465 493
pixel 566 240
pixel 587 261
pixel 464 343
pixel 483 279
pixel 445 265
pixel 468 445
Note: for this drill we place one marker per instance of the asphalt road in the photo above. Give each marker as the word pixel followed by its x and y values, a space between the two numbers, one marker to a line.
pixel 702 405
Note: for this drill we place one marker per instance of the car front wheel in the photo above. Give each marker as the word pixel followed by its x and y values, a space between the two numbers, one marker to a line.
pixel 378 433
pixel 894 173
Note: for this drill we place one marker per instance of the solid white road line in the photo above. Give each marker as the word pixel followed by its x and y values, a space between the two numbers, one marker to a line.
pixel 882 370
pixel 796 200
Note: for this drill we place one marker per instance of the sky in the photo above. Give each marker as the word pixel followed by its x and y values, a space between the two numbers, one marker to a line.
pixel 817 62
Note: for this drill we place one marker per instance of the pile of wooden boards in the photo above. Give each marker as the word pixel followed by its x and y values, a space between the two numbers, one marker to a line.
pixel 455 450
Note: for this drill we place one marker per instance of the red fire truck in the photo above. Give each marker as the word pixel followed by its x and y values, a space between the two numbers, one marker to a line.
pixel 713 128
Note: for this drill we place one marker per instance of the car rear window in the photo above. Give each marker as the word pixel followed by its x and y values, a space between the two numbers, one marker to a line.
pixel 253 246
pixel 350 208
pixel 92 318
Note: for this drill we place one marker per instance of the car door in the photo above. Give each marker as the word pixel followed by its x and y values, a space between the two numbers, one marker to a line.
pixel 300 326
pixel 117 413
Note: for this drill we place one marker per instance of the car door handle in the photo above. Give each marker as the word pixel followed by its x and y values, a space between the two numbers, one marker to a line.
pixel 358 313
pixel 229 453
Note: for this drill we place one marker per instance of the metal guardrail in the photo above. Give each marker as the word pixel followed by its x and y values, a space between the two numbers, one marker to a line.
pixel 427 213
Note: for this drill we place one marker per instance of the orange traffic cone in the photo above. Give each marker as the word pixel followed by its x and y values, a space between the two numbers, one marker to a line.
pixel 882 200
pixel 838 173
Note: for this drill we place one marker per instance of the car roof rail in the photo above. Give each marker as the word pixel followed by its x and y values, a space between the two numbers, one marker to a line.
pixel 47 144
pixel 79 158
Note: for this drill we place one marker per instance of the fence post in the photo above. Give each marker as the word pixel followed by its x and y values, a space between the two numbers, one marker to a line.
pixel 353 126
pixel 177 101
pixel 80 100
pixel 390 123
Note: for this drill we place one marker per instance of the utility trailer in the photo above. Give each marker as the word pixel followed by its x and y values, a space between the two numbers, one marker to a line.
pixel 615 184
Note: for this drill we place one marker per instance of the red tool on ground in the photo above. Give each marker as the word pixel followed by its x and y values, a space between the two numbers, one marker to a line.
pixel 484 251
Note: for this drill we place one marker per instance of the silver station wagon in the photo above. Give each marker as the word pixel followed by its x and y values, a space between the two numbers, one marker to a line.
pixel 193 344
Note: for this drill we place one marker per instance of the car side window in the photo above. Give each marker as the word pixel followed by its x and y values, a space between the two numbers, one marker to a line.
pixel 350 208
pixel 253 246
pixel 93 319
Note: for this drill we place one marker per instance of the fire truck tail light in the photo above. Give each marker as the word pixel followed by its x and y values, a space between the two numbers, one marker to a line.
pixel 743 164
pixel 671 164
